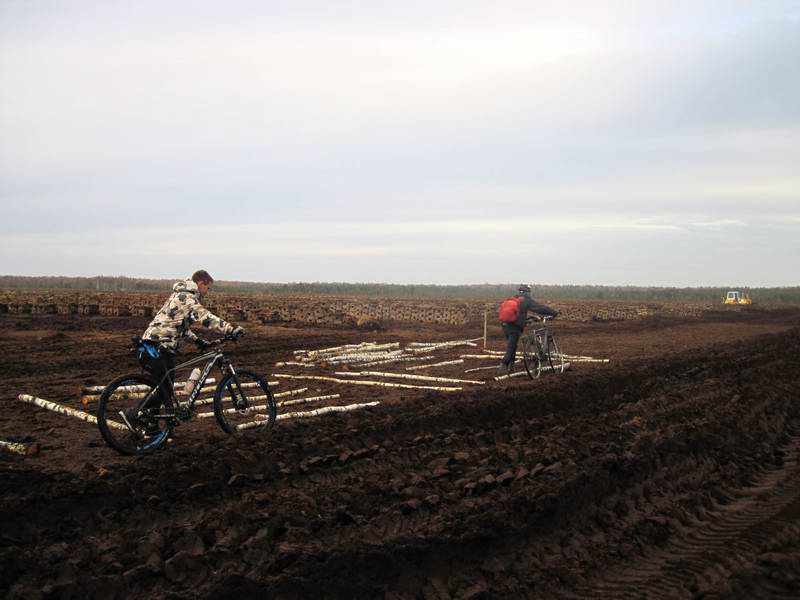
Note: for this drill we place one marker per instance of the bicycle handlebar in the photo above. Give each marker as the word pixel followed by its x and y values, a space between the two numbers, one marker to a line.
pixel 217 342
pixel 539 318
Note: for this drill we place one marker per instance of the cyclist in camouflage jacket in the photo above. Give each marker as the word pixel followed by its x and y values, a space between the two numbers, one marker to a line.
pixel 183 309
pixel 172 322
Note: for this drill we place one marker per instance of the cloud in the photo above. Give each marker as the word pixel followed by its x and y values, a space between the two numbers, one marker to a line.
pixel 422 132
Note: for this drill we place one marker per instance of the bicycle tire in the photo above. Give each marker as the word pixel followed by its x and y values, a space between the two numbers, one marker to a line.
pixel 115 431
pixel 250 414
pixel 554 357
pixel 531 357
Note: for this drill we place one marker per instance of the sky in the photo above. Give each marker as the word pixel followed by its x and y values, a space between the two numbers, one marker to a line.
pixel 583 142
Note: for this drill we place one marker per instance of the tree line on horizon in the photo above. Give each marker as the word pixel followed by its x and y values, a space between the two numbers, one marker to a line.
pixel 484 291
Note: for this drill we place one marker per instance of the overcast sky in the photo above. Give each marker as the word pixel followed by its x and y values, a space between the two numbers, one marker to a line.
pixel 553 142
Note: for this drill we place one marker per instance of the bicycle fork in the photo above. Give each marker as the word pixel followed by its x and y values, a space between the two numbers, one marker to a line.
pixel 240 402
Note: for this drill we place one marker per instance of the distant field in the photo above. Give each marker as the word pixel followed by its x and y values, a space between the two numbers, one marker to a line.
pixel 790 295
pixel 353 311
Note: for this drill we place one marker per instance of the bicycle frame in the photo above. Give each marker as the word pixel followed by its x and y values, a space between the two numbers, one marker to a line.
pixel 545 347
pixel 215 357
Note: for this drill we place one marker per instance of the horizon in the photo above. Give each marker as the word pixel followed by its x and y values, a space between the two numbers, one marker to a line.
pixel 650 145
pixel 383 283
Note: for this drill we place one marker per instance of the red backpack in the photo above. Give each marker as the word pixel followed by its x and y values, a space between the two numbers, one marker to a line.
pixel 509 309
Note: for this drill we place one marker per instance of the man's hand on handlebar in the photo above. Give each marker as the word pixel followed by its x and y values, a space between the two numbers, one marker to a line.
pixel 237 333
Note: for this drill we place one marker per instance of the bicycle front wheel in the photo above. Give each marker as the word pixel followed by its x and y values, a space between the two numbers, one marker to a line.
pixel 554 358
pixel 130 415
pixel 244 402
pixel 531 357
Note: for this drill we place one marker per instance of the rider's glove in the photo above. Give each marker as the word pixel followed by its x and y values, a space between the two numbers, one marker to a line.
pixel 555 315
pixel 202 344
pixel 237 332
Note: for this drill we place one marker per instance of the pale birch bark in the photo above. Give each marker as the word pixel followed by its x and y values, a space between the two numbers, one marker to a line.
pixel 441 345
pixel 260 407
pixel 373 383
pixel 305 400
pixel 65 410
pixel 408 376
pixel 18 448
pixel 395 360
pixel 98 389
pixel 439 364
pixel 567 366
pixel 310 413
pixel 290 393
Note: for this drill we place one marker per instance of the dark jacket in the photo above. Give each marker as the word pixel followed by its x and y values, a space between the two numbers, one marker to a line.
pixel 527 305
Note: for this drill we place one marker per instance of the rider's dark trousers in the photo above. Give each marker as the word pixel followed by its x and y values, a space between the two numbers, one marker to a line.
pixel 158 368
pixel 512 333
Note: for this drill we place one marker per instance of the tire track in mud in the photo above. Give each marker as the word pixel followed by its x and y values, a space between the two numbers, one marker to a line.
pixel 704 559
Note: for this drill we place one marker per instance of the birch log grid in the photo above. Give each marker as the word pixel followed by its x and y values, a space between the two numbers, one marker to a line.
pixel 371 353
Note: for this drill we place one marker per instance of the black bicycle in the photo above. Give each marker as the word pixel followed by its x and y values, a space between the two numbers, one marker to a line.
pixel 540 351
pixel 135 417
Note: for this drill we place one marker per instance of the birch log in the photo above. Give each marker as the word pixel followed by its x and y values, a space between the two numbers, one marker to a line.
pixel 441 345
pixel 309 413
pixel 480 369
pixel 137 392
pixel 336 348
pixel 395 360
pixel 318 354
pixel 374 383
pixel 311 399
pixel 439 364
pixel 409 376
pixel 259 407
pixel 567 366
pixel 290 393
pixel 363 357
pixel 207 401
pixel 517 374
pixel 65 410
pixel 98 389
pixel 22 449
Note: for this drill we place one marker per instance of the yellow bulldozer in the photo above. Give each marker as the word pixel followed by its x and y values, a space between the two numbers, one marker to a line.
pixel 736 297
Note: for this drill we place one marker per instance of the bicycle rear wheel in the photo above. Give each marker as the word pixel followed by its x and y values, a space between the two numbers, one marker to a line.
pixel 130 415
pixel 244 402
pixel 531 357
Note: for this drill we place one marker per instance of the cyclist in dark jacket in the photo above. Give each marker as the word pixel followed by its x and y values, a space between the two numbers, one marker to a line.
pixel 512 331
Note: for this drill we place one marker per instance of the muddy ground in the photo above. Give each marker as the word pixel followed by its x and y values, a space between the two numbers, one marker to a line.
pixel 671 471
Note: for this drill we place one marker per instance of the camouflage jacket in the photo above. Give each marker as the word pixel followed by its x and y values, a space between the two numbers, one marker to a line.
pixel 182 309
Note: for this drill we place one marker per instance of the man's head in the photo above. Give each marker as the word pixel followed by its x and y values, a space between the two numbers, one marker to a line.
pixel 524 289
pixel 203 281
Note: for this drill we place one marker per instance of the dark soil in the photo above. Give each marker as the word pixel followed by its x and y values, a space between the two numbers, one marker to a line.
pixel 670 472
